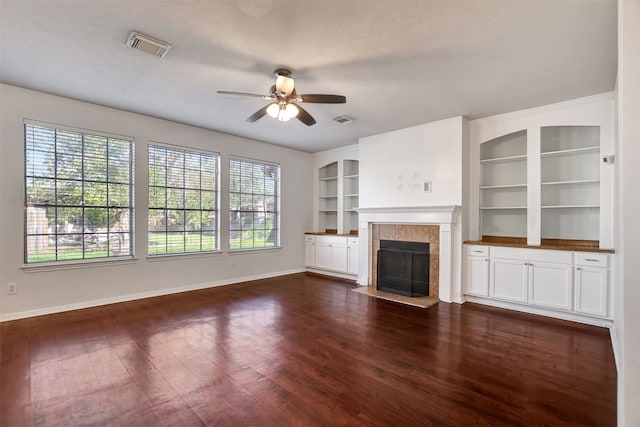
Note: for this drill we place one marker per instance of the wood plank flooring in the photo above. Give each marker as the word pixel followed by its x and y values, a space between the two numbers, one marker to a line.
pixel 302 350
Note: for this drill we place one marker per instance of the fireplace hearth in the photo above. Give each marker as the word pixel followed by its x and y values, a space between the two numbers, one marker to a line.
pixel 403 268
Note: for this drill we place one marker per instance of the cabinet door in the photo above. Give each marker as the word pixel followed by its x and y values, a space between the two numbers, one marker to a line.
pixel 352 261
pixel 323 255
pixel 592 290
pixel 309 253
pixel 477 275
pixel 551 285
pixel 509 279
pixel 339 257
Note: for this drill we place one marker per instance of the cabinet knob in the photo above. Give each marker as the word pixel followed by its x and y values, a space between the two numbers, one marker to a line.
pixel 578 268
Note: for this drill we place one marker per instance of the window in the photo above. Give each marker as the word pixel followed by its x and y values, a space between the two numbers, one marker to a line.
pixel 78 195
pixel 183 201
pixel 254 204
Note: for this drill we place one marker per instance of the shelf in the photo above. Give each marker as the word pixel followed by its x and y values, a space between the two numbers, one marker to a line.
pixel 328 197
pixel 495 187
pixel 351 195
pixel 570 152
pixel 504 159
pixel 331 178
pixel 351 176
pixel 327 210
pixel 501 207
pixel 582 181
pixel 570 206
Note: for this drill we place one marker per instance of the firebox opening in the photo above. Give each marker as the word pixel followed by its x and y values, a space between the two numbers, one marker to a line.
pixel 403 268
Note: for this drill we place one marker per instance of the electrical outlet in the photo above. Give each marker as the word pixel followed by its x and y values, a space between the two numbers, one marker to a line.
pixel 12 289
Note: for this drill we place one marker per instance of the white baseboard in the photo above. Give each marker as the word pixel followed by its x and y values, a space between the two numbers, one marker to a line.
pixel 332 273
pixel 594 321
pixel 142 295
pixel 615 343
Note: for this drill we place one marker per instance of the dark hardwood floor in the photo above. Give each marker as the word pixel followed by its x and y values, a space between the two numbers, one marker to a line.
pixel 302 350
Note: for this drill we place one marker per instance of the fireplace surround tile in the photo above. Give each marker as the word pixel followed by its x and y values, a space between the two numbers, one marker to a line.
pixel 408 233
pixel 387 231
pixel 402 232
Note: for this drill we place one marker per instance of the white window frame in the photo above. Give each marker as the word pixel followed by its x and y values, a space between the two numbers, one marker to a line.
pixel 182 193
pixel 39 232
pixel 238 212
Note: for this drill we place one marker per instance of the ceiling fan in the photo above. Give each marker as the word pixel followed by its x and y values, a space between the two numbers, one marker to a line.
pixel 285 100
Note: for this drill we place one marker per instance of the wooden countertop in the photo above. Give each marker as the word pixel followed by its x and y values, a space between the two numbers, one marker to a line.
pixel 548 244
pixel 324 233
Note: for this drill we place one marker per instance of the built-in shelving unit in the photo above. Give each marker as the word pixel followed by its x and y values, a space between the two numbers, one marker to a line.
pixel 570 182
pixel 350 196
pixel 328 197
pixel 503 189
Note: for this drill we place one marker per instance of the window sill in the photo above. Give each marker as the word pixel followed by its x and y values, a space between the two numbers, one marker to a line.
pixel 84 263
pixel 172 257
pixel 253 250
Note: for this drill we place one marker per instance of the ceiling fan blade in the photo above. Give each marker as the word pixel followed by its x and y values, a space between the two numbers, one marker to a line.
pixel 258 114
pixel 323 99
pixel 252 95
pixel 305 117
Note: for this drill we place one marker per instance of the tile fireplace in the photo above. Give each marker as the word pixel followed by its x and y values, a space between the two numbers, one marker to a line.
pixel 437 226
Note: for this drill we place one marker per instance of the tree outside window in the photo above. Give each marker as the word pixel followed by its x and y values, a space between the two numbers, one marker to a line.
pixel 79 195
pixel 254 204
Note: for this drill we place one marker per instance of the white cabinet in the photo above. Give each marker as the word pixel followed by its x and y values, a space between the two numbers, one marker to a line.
pixel 551 285
pixel 353 253
pixel 477 273
pixel 568 282
pixel 537 277
pixel 309 250
pixel 332 253
pixel 592 285
pixel 509 279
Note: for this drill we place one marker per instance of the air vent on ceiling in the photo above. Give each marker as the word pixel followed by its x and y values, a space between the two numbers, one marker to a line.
pixel 343 119
pixel 148 44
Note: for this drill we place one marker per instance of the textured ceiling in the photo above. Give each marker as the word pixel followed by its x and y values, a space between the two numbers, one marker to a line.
pixel 399 63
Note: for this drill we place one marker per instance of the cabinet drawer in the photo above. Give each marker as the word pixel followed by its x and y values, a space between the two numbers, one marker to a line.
pixel 308 238
pixel 352 241
pixel 534 255
pixel 592 259
pixel 332 240
pixel 477 250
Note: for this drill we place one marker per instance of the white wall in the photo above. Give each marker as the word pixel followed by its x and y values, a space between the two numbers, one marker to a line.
pixel 395 165
pixel 53 289
pixel 628 274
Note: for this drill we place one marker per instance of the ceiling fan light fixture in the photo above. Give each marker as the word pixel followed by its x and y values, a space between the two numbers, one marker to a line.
pixel 291 110
pixel 283 115
pixel 273 110
pixel 284 85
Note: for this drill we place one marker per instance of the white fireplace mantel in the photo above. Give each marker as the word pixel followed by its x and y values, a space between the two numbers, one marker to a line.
pixel 447 217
